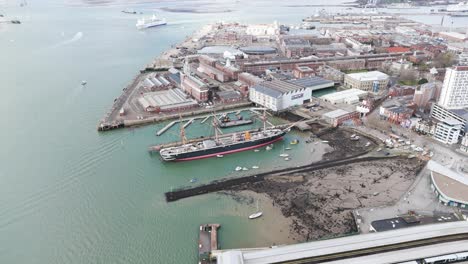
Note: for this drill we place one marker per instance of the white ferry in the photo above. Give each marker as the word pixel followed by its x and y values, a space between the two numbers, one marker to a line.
pixel 153 22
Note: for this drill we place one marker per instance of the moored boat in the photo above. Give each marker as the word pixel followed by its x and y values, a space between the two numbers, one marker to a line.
pixel 222 144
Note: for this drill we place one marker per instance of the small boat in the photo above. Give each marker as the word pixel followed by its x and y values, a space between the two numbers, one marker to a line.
pixel 193 180
pixel 288 148
pixel 268 148
pixel 238 168
pixel 286 159
pixel 257 214
pixel 245 169
pixel 294 142
pixel 284 155
pixel 219 156
pixel 255 167
pixel 83 83
pixel 256 150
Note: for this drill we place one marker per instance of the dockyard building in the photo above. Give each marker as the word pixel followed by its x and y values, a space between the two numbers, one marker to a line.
pixel 367 81
pixel 278 95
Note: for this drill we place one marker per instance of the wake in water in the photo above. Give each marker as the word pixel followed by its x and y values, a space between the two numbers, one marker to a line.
pixel 75 38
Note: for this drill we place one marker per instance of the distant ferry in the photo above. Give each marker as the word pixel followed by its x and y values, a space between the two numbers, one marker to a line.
pixel 153 22
pixel 460 7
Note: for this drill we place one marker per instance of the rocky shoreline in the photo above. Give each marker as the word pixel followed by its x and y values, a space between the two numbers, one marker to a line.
pixel 320 203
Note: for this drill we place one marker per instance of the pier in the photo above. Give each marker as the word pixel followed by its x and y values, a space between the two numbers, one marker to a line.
pixel 208 242
pixel 164 129
pixel 189 122
pixel 204 119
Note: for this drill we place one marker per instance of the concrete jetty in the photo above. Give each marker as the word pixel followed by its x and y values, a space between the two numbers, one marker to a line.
pixel 204 119
pixel 164 129
pixel 208 242
pixel 189 122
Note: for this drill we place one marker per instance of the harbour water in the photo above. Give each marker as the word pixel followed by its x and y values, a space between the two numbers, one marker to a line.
pixel 69 194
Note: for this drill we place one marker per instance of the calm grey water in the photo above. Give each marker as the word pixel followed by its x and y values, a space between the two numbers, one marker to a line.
pixel 71 195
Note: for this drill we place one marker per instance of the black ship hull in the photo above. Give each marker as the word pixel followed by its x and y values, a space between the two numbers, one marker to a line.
pixel 225 149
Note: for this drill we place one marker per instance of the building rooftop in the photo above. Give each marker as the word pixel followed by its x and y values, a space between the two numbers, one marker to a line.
pixel 258 50
pixel 368 76
pixel 296 42
pixel 312 81
pixel 460 112
pixel 336 113
pixel 450 183
pixel 410 220
pixel 344 94
pixel 166 99
pixel 276 88
pixel 228 95
pixel 453 35
pixel 336 246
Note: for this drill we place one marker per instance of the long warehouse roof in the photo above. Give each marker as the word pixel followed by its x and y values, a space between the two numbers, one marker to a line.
pixel 339 245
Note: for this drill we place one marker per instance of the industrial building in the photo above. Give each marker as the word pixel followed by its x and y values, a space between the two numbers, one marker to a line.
pixel 450 187
pixel 258 50
pixel 194 86
pixel 294 47
pixel 313 83
pixel 337 117
pixel 367 81
pixel 156 81
pixel 279 95
pixel 379 247
pixel 166 101
pixel 454 93
pixel 350 96
pixel 448 131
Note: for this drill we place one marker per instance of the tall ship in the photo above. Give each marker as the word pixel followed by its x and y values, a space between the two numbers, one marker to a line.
pixel 222 144
pixel 460 7
pixel 153 22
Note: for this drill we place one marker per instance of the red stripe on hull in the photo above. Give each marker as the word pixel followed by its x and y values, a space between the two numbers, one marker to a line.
pixel 230 151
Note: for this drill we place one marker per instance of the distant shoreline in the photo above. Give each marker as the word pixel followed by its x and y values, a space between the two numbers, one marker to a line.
pixel 194 10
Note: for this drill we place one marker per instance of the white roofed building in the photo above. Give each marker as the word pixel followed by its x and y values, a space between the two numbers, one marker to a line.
pixel 450 187
pixel 350 96
pixel 367 81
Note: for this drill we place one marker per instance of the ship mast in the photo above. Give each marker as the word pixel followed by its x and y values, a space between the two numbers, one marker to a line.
pixel 215 127
pixel 183 138
pixel 264 119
